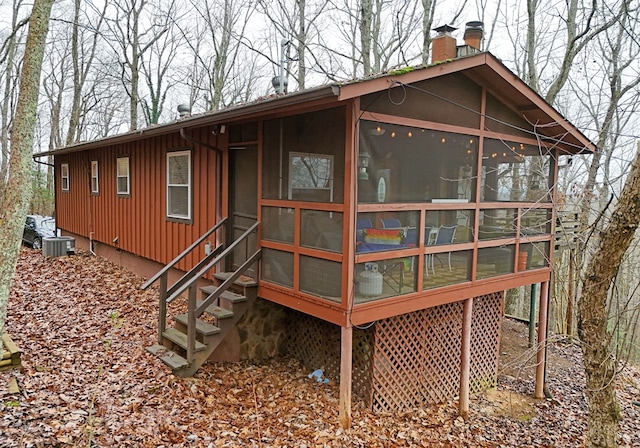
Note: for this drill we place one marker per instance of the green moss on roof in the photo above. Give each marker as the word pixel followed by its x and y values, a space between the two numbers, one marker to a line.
pixel 401 71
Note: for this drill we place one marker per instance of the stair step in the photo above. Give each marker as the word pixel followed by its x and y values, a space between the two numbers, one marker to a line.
pixel 217 311
pixel 202 327
pixel 179 338
pixel 169 357
pixel 231 297
pixel 244 280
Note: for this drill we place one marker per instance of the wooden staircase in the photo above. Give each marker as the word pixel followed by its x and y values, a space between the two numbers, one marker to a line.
pixel 198 333
pixel 218 320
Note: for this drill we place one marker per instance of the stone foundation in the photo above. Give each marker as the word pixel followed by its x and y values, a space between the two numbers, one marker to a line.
pixel 263 331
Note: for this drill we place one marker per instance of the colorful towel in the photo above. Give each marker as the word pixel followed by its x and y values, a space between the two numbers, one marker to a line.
pixel 383 236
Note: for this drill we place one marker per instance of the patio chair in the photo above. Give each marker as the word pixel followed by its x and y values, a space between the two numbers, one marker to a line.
pixel 429 238
pixel 446 235
pixel 391 223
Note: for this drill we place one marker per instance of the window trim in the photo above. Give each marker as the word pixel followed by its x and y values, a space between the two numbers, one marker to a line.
pixel 189 185
pixel 293 189
pixel 95 175
pixel 65 167
pixel 127 176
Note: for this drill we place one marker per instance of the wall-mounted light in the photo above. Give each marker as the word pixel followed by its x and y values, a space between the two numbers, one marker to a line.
pixel 363 164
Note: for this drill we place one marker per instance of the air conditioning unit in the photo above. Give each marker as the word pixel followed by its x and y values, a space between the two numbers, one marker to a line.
pixel 58 246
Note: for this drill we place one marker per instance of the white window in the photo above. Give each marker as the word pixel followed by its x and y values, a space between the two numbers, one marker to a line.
pixel 179 184
pixel 64 177
pixel 94 177
pixel 122 175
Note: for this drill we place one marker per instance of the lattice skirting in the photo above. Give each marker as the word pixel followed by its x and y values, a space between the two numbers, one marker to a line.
pixel 410 360
pixel 316 344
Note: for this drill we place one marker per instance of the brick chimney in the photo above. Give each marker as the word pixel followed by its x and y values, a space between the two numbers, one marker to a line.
pixel 473 34
pixel 443 46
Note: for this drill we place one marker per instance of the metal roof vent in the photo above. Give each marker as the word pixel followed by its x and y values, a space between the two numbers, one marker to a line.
pixel 184 110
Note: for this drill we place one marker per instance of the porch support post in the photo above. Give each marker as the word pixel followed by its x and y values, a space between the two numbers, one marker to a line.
pixel 345 376
pixel 465 359
pixel 542 339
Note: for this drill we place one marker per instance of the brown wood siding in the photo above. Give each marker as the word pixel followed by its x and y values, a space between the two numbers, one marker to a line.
pixel 138 220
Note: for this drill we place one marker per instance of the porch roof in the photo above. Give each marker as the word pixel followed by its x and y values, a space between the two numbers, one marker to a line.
pixel 484 68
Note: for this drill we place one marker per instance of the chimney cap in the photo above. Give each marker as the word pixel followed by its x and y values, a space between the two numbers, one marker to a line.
pixel 445 29
pixel 475 25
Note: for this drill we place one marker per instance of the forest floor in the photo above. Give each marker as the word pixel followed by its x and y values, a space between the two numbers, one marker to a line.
pixel 86 380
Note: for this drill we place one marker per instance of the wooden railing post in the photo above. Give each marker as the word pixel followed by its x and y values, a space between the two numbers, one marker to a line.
pixel 465 359
pixel 162 307
pixel 346 376
pixel 542 340
pixel 191 323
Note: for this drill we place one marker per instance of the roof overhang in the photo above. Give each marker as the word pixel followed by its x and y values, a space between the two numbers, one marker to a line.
pixel 327 93
pixel 483 68
pixel 486 70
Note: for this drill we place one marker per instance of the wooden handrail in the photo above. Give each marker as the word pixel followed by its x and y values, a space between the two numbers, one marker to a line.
pixel 228 282
pixel 193 311
pixel 184 253
pixel 206 260
pixel 195 275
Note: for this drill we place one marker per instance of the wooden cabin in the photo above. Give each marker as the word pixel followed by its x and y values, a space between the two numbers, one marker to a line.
pixel 405 203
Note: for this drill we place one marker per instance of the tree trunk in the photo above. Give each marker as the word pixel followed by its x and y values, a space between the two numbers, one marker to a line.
pixel 366 17
pixel 6 108
pixel 18 192
pixel 428 7
pixel 599 361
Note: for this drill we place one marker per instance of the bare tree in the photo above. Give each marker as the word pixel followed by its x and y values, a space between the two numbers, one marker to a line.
pixel 84 44
pixel 593 317
pixel 378 33
pixel 18 192
pixel 428 16
pixel 133 30
pixel 297 22
pixel 9 78
pixel 156 66
pixel 222 68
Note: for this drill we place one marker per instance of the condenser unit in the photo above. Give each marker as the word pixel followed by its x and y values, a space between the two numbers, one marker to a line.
pixel 58 246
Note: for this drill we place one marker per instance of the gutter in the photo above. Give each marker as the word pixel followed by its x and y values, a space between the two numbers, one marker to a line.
pixel 39 162
pixel 268 105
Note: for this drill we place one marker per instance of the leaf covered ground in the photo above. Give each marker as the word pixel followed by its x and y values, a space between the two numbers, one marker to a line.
pixel 86 380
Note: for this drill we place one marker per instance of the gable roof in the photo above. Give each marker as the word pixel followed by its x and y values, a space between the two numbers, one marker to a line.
pixel 483 68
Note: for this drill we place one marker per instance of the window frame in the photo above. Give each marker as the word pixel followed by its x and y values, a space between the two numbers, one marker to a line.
pixel 95 177
pixel 294 190
pixel 65 177
pixel 120 176
pixel 189 185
